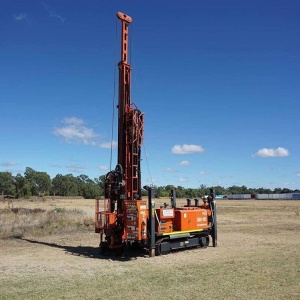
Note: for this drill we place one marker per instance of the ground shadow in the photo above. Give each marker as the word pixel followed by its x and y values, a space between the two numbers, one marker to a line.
pixel 94 252
pixel 90 252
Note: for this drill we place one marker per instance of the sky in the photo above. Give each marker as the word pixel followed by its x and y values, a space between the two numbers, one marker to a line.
pixel 218 81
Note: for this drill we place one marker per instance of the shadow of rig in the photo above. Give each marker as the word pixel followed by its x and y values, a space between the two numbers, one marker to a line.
pixel 90 252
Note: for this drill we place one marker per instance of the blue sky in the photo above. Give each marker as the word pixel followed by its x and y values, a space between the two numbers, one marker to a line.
pixel 219 82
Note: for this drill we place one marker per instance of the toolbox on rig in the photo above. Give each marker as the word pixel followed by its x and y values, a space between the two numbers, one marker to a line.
pixel 164 220
pixel 186 219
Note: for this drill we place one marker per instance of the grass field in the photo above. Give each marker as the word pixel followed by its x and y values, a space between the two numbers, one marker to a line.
pixel 48 251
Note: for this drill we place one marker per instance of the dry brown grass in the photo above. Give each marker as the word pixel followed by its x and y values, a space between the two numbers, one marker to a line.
pixel 40 217
pixel 257 257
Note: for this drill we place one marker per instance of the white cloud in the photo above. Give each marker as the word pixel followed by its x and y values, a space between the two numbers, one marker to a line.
pixel 73 121
pixel 21 17
pixel 289 183
pixel 56 166
pixel 76 168
pixel 13 171
pixel 298 174
pixel 203 172
pixel 170 170
pixel 103 168
pixel 185 163
pixel 8 164
pixel 52 13
pixel 109 145
pixel 227 177
pixel 183 179
pixel 187 149
pixel 74 130
pixel 265 152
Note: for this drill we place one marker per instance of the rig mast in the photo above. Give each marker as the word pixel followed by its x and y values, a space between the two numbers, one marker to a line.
pixel 123 185
pixel 127 219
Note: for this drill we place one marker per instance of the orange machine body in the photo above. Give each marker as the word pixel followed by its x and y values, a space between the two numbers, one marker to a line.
pixel 164 220
pixel 127 220
pixel 135 220
pixel 181 219
pixel 190 219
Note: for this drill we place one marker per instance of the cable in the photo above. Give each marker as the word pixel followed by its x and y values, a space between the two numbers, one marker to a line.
pixel 134 87
pixel 130 44
pixel 113 104
pixel 147 164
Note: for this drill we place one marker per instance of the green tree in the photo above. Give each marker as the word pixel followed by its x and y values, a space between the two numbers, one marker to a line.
pixel 190 193
pixel 161 192
pixel 29 175
pixel 57 185
pixel 40 181
pixel 251 191
pixel 234 190
pixel 43 183
pixel 88 188
pixel 91 190
pixel 6 184
pixel 100 181
pixel 219 190
pixel 180 191
pixel 168 188
pixel 71 186
pixel 23 188
pixel 203 190
pixel 263 191
pixel 286 191
pixel 244 190
pixel 277 190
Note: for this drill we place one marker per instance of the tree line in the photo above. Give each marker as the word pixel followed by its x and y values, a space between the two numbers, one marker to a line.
pixel 35 183
pixel 203 190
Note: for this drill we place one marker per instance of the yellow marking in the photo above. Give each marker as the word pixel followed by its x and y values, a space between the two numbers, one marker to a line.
pixel 186 231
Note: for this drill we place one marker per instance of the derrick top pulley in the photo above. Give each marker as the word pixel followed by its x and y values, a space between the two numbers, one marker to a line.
pixel 124 47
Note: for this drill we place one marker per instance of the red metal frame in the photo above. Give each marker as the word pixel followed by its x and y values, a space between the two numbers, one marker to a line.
pixel 123 184
pixel 130 120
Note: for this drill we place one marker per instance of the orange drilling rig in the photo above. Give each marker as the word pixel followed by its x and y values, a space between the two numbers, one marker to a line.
pixel 127 219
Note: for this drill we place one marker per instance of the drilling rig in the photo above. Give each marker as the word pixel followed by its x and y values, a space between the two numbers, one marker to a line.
pixel 128 220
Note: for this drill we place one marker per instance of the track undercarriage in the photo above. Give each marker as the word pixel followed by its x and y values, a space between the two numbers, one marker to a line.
pixel 165 245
